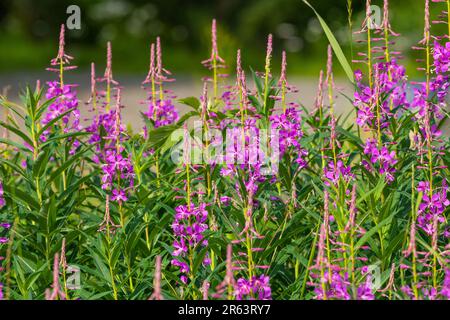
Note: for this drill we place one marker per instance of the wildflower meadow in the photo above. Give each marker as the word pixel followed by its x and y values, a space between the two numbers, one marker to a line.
pixel 245 193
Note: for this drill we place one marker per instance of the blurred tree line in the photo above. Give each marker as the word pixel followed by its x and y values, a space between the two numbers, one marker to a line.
pixel 184 26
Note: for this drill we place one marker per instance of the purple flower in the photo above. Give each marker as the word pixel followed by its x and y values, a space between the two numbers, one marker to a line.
pixel 383 159
pixel 407 291
pixel 225 200
pixel 337 288
pixel 430 293
pixel 441 56
pixel 65 100
pixel 365 291
pixel 119 196
pixel 365 115
pixel 258 288
pixel 289 130
pixel 445 291
pixel 423 186
pixel 2 199
pixel 390 81
pixel 439 85
pixel 180 248
pixel 189 227
pixel 163 113
pixel 182 265
pixel 333 173
pixel 432 207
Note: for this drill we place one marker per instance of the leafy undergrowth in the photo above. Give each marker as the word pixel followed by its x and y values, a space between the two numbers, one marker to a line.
pixel 249 195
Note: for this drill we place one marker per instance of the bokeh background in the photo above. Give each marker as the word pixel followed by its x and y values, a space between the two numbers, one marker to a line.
pixel 29 37
pixel 29 30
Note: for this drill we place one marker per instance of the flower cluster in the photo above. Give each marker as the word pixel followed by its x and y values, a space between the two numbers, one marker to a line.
pixel 289 129
pixel 337 288
pixel 244 149
pixel 331 279
pixel 381 158
pixel 65 100
pixel 430 292
pixel 388 95
pixel 441 84
pixel 6 226
pixel 163 113
pixel 445 291
pixel 189 227
pixel 2 198
pixel 438 86
pixel 64 95
pixel 103 125
pixel 333 172
pixel 117 168
pixel 160 110
pixel 432 207
pixel 257 288
pixel 441 57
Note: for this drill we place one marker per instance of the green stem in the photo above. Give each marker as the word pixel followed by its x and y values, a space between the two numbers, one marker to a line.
pixel 310 261
pixel 413 216
pixel 215 78
pixel 448 17
pixel 369 56
pixel 64 275
pixel 111 271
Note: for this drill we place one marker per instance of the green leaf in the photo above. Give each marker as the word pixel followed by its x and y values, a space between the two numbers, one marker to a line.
pixel 98 261
pixel 372 231
pixel 16 168
pixel 192 102
pixel 13 107
pixel 66 165
pixel 334 44
pixel 41 163
pixel 64 136
pixel 17 132
pixel 14 144
pixel 22 197
pixel 53 121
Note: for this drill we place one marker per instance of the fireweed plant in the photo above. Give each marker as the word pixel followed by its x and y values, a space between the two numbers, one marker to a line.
pixel 248 194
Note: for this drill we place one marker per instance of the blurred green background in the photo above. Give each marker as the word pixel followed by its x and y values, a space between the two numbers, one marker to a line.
pixel 29 31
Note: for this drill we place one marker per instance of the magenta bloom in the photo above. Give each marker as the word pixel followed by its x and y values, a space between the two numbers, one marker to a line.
pixel 289 129
pixel 432 207
pixel 189 227
pixel 163 113
pixel 445 291
pixel 2 199
pixel 365 291
pixel 258 288
pixel 383 159
pixel 333 173
pixel 65 100
pixel 390 82
pixel 117 168
pixel 336 289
